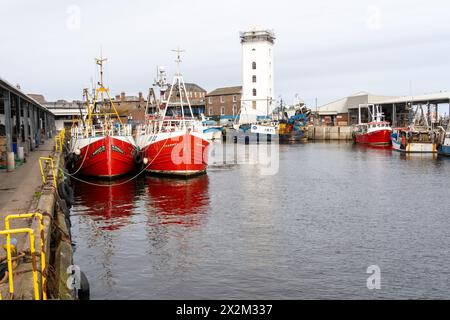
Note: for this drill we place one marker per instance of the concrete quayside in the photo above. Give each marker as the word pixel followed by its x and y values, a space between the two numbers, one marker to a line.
pixel 39 264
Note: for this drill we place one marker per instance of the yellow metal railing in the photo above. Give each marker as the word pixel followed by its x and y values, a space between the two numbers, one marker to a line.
pixel 58 143
pixel 44 180
pixel 8 234
pixel 42 240
pixel 59 140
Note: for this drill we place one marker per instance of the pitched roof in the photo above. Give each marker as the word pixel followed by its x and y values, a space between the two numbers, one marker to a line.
pixel 38 97
pixel 193 87
pixel 225 91
pixel 353 101
pixel 442 97
pixel 5 84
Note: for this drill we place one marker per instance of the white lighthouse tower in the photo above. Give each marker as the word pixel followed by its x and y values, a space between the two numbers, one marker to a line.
pixel 257 74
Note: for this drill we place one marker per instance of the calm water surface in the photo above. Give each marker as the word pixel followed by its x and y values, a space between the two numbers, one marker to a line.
pixel 308 232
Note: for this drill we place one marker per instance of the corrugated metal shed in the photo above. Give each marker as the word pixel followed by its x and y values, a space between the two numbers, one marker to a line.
pixel 441 97
pixel 351 102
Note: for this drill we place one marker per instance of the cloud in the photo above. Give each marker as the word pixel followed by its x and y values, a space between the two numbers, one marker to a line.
pixel 325 49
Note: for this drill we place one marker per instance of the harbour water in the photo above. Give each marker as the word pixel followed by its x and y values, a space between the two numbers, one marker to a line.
pixel 309 231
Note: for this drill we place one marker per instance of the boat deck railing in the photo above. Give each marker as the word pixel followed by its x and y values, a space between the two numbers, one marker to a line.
pixel 170 125
pixel 101 131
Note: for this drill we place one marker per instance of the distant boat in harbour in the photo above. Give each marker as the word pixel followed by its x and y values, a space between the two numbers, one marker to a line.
pixel 444 147
pixel 293 129
pixel 375 133
pixel 418 137
pixel 211 130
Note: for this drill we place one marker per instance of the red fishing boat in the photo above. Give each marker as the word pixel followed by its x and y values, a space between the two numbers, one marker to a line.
pixel 170 142
pixel 375 133
pixel 102 145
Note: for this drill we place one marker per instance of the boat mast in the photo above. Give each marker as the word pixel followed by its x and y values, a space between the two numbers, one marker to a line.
pixel 177 77
pixel 102 90
pixel 182 86
pixel 99 62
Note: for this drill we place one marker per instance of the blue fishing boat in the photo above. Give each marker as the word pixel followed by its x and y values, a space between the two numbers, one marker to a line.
pixel 444 148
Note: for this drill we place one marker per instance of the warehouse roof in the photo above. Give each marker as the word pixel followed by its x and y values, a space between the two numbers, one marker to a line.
pixel 7 86
pixel 440 97
pixel 353 101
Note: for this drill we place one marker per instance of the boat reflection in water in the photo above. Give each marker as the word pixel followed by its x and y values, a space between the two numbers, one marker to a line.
pixel 382 149
pixel 178 201
pixel 108 203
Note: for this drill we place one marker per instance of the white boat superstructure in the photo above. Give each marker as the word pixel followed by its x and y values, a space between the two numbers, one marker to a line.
pixel 170 142
pixel 419 137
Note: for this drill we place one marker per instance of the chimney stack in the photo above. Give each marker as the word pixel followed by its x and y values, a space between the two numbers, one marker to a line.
pixel 122 96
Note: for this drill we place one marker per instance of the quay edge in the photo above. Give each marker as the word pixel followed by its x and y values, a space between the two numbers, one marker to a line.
pixel 58 244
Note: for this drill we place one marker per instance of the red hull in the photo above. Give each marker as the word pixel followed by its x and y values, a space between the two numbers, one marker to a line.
pixel 106 158
pixel 376 138
pixel 183 155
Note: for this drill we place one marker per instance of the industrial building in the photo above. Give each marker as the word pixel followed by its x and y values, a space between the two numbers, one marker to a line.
pixel 345 111
pixel 24 122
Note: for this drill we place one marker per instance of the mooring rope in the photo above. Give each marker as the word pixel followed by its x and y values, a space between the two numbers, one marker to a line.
pixel 116 184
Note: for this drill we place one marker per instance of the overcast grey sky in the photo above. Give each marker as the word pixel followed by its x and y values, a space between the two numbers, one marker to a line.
pixel 324 49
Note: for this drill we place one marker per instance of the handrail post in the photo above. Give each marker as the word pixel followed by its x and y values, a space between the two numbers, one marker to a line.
pixel 33 257
pixel 42 239
pixel 52 167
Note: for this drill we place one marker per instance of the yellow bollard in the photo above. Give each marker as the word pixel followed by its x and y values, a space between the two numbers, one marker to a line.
pixel 42 170
pixel 41 231
pixel 9 257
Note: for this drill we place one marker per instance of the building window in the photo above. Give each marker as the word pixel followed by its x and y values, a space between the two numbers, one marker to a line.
pixel 210 100
pixel 234 98
pixel 210 111
pixel 195 94
pixel 222 111
pixel 222 99
pixel 254 65
pixel 254 79
pixel 234 109
pixel 254 104
pixel 254 92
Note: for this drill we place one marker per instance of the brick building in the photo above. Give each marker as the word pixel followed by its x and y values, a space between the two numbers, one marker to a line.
pixel 196 95
pixel 223 102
